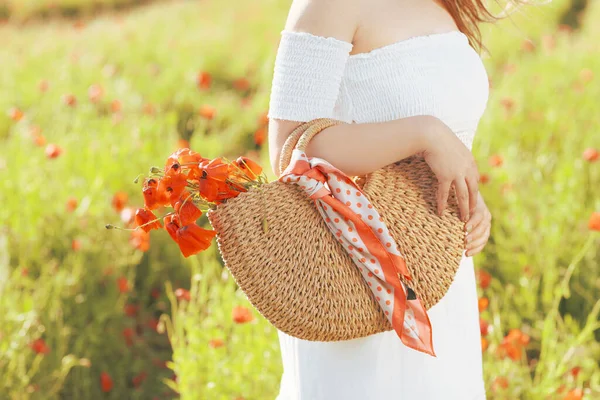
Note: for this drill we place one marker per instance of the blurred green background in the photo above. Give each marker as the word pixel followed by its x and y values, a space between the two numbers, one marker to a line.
pixel 93 92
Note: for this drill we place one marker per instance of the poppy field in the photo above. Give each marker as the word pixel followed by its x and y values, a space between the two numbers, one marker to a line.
pixel 91 98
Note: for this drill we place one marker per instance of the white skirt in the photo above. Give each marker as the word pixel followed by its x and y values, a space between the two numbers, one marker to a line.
pixel 380 367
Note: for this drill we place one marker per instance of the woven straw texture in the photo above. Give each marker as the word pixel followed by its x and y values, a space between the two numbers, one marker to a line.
pixel 299 277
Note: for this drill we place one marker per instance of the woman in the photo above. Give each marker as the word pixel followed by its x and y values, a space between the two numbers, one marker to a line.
pixel 403 75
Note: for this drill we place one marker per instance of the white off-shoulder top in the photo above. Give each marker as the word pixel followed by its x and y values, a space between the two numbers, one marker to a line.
pixel 438 74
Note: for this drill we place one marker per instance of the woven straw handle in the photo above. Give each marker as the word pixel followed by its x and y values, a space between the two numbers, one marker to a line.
pixel 300 137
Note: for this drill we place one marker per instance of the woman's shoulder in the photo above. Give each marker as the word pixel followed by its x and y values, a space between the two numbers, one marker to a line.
pixel 335 19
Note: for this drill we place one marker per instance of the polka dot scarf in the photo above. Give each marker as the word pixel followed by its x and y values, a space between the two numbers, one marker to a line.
pixel 360 229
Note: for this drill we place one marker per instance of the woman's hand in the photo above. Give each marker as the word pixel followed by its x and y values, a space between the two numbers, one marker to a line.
pixel 453 165
pixel 478 228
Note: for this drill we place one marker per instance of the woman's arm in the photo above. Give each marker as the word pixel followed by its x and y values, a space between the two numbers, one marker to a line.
pixel 357 149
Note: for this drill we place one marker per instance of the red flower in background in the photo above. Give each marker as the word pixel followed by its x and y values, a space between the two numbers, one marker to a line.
pixel 123 284
pixel 574 394
pixel 53 151
pixel 203 80
pixel 207 111
pixel 216 343
pixel 183 294
pixel 95 93
pixel 139 378
pixel 260 136
pixel 192 239
pixel 15 114
pixel 119 201
pixel 484 327
pixel 483 303
pixel 106 382
pixel 128 335
pixel 146 220
pixel 69 100
pixel 39 346
pixel 241 315
pixel 513 344
pixel 484 278
pixel 140 240
pixel 591 154
pixel 496 160
pixel 71 204
pixel 594 222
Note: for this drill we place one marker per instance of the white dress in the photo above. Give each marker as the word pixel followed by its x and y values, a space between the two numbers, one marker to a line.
pixel 439 75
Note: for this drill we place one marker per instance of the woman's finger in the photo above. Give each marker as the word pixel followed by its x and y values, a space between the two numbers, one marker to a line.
pixel 472 252
pixel 473 185
pixel 462 195
pixel 476 218
pixel 478 239
pixel 442 195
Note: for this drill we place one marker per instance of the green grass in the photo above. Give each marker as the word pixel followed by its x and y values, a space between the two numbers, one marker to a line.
pixel 541 255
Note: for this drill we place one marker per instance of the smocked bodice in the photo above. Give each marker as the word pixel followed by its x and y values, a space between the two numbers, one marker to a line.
pixel 438 74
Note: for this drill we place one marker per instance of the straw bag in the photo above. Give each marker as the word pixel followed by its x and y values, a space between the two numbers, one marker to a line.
pixel 299 277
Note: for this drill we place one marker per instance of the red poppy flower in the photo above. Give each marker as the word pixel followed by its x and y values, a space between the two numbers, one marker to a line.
pixel 260 136
pixel 75 244
pixel 591 154
pixel 484 327
pixel 484 278
pixel 106 382
pixel 71 204
pixel 216 191
pixel 128 334
pixel 119 201
pixel 483 303
pixel 574 394
pixel 216 343
pixel 171 187
pixel 241 315
pixel 116 106
pixel 192 239
pixel 95 93
pixel 250 168
pixel 53 151
pixel 140 240
pixel 203 80
pixel 186 210
pixel 39 346
pixel 172 225
pixel 496 160
pixel 139 378
pixel 241 84
pixel 183 294
pixel 131 310
pixel 215 169
pixel 15 114
pixel 207 111
pixel 594 222
pixel 152 197
pixel 69 100
pixel 123 284
pixel 183 156
pixel 146 220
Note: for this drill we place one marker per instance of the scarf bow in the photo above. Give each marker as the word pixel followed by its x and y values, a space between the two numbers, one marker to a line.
pixel 360 229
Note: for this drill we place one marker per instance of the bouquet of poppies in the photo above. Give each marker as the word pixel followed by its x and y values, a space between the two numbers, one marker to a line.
pixel 191 184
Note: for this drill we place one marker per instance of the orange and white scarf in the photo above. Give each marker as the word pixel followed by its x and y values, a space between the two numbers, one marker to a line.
pixel 360 229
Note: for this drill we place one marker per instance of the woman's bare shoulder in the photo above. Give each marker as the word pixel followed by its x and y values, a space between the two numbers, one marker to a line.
pixel 328 18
